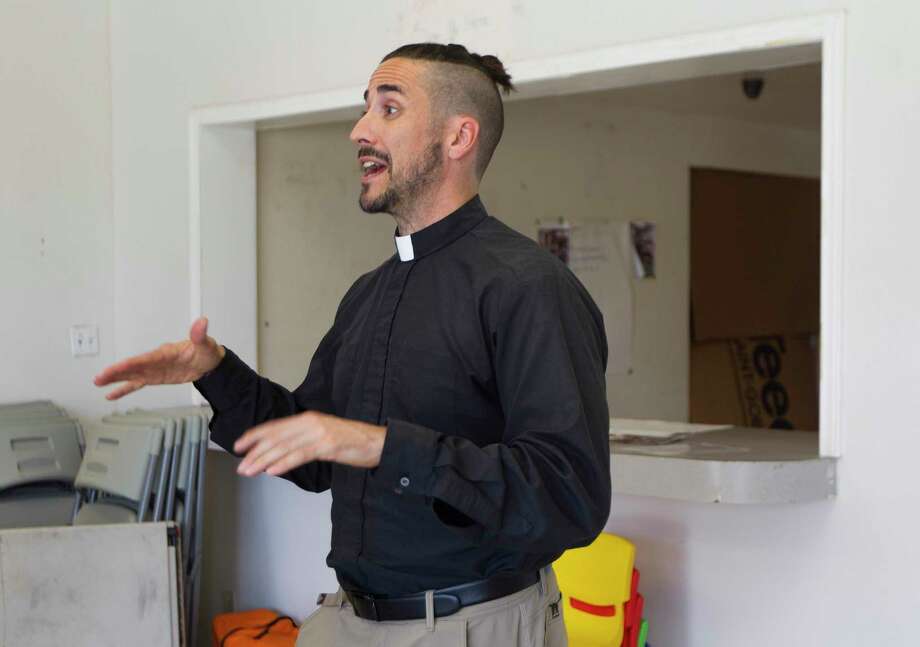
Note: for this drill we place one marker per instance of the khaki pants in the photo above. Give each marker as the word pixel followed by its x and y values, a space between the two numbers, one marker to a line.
pixel 529 618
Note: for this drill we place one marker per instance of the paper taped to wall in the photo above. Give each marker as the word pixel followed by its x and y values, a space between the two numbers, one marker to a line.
pixel 596 256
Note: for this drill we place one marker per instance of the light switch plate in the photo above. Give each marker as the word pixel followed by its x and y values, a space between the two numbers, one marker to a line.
pixel 84 340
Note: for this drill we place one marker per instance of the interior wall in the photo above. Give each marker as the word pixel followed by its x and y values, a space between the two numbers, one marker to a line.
pixel 55 200
pixel 712 575
pixel 584 157
pixel 265 545
pixel 314 241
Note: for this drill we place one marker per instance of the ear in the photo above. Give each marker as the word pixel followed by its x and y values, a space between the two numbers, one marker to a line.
pixel 462 137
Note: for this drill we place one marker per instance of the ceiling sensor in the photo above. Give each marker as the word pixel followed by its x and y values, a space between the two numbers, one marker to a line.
pixel 752 86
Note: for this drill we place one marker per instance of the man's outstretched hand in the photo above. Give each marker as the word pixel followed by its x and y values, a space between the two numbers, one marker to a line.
pixel 275 447
pixel 176 363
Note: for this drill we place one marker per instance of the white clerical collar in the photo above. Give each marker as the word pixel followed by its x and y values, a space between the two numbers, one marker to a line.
pixel 404 247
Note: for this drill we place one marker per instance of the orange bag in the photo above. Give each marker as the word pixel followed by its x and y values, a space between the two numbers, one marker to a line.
pixel 256 628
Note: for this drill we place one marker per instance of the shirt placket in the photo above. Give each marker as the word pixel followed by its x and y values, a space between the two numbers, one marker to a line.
pixel 369 397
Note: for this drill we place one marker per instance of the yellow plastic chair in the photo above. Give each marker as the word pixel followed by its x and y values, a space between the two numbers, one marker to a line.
pixel 596 582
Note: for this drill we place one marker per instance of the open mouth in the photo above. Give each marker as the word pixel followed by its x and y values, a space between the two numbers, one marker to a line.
pixel 371 169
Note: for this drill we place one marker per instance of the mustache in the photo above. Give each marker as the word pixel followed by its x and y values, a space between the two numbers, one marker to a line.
pixel 373 152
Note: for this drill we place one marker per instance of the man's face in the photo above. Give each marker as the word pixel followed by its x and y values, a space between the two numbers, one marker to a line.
pixel 398 147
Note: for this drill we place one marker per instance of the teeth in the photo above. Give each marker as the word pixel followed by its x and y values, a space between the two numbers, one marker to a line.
pixel 368 165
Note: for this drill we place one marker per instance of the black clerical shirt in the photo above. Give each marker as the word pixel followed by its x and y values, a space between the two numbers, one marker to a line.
pixel 484 357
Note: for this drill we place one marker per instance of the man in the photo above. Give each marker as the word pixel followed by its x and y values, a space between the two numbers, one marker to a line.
pixel 457 406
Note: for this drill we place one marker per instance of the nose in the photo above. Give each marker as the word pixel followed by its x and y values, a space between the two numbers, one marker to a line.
pixel 361 133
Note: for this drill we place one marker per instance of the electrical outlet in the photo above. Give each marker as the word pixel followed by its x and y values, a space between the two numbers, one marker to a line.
pixel 84 340
pixel 228 602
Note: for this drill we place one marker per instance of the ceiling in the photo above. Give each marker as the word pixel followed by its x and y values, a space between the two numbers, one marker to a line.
pixel 791 97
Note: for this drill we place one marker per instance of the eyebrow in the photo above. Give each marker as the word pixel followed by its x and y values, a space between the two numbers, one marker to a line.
pixel 386 87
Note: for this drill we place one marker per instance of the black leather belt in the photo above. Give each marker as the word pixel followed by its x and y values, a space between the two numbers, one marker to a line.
pixel 446 601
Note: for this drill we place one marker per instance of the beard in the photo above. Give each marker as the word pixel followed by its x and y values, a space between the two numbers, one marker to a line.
pixel 404 191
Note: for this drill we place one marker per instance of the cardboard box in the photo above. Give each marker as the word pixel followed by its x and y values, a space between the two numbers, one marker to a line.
pixel 755 242
pixel 768 382
pixel 755 251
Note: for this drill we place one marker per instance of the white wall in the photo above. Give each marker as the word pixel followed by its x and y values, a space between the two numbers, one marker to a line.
pixel 265 543
pixel 55 200
pixel 841 572
pixel 314 241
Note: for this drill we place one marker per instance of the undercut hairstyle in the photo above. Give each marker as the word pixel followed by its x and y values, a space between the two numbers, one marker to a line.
pixel 461 82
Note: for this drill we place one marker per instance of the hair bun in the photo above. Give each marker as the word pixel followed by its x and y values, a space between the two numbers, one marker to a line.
pixel 496 71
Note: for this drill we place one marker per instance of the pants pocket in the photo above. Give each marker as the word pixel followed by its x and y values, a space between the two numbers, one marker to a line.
pixel 319 628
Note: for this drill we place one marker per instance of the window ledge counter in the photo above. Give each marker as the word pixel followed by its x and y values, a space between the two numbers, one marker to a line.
pixel 709 464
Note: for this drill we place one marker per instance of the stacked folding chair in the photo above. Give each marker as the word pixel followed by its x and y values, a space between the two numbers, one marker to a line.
pixel 148 465
pixel 144 465
pixel 117 480
pixel 190 502
pixel 40 453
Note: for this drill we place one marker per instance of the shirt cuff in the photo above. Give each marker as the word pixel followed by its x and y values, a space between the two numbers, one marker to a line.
pixel 225 385
pixel 407 461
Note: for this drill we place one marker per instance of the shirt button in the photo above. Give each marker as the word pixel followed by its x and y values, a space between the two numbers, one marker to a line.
pixel 404 481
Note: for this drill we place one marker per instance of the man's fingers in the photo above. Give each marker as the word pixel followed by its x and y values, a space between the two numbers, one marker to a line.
pixel 245 442
pixel 262 444
pixel 113 373
pixel 289 461
pixel 266 444
pixel 124 390
pixel 260 439
pixel 251 467
pixel 198 333
pixel 250 438
pixel 125 370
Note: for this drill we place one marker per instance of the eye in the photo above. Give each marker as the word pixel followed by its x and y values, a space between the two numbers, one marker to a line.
pixel 390 110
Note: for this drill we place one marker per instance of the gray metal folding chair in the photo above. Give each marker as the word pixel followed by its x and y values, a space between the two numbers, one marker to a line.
pixel 197 543
pixel 35 413
pixel 120 462
pixel 187 487
pixel 30 405
pixel 38 464
pixel 32 414
pixel 164 490
pixel 198 417
pixel 181 431
pixel 183 472
pixel 189 511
